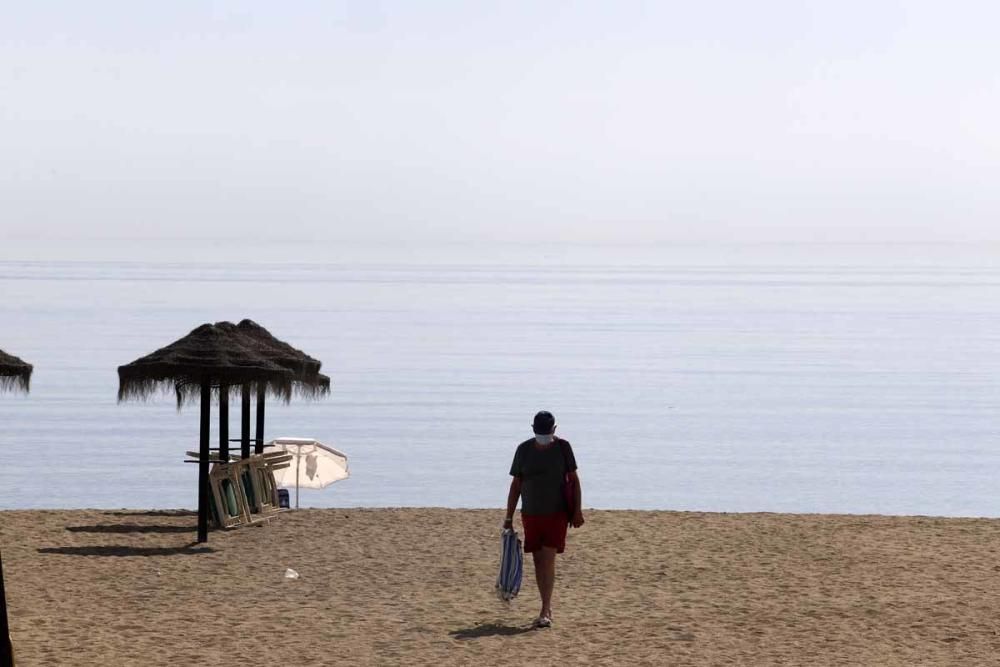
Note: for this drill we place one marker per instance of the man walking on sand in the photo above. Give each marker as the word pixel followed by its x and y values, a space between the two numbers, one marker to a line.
pixel 542 468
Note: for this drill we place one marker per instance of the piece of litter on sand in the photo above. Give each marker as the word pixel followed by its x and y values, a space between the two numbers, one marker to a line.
pixel 291 574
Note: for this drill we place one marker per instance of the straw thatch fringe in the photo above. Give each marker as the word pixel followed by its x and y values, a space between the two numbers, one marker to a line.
pixel 319 388
pixel 210 353
pixel 188 392
pixel 15 373
pixel 15 383
pixel 223 354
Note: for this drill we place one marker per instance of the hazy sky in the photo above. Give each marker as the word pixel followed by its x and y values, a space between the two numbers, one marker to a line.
pixel 585 121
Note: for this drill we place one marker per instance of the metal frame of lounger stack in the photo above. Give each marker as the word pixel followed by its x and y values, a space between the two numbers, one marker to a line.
pixel 218 476
pixel 259 471
pixel 242 471
pixel 259 502
pixel 215 492
pixel 267 463
pixel 220 473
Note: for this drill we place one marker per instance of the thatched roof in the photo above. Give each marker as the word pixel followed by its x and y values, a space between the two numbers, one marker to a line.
pixel 14 373
pixel 308 380
pixel 210 353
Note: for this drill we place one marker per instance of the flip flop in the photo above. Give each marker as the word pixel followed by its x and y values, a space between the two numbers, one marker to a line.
pixel 543 622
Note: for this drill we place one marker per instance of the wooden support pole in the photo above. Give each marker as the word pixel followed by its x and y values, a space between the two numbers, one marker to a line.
pixel 6 651
pixel 203 490
pixel 245 421
pixel 261 395
pixel 224 422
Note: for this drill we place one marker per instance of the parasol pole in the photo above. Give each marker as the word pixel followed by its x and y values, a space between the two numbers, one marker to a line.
pixel 224 422
pixel 245 421
pixel 261 395
pixel 203 490
pixel 6 651
pixel 298 464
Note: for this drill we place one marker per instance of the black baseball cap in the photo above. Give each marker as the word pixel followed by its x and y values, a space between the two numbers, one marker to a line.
pixel 544 423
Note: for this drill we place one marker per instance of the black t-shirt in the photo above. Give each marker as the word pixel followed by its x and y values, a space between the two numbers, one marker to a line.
pixel 542 469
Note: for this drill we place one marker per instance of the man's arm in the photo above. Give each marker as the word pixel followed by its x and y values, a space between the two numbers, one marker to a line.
pixel 512 497
pixel 577 518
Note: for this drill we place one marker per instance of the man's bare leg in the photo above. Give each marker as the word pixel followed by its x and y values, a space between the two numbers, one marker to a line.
pixel 545 577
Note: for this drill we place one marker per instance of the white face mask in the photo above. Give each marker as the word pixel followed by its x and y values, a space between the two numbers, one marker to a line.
pixel 544 439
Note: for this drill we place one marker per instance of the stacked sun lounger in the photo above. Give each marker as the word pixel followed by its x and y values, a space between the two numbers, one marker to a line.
pixel 243 491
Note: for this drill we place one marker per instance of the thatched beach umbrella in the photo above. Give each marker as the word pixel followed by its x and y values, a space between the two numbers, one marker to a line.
pixel 306 368
pixel 15 374
pixel 307 380
pixel 208 359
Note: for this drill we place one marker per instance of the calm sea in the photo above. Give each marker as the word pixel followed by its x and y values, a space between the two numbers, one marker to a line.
pixel 801 378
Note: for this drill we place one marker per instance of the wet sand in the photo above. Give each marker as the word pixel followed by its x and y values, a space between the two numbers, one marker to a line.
pixel 415 587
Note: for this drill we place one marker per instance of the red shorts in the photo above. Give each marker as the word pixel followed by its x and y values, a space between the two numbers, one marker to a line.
pixel 544 530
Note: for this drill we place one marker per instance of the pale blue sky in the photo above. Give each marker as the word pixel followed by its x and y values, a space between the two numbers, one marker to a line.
pixel 613 121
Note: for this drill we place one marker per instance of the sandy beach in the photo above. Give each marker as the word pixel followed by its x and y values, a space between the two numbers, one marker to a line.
pixel 414 586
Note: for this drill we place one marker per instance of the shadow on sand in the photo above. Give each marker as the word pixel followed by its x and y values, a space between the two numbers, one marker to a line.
pixel 490 630
pixel 122 528
pixel 115 550
pixel 152 513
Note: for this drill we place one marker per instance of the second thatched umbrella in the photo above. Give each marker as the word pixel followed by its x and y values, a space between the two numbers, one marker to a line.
pixel 14 374
pixel 207 359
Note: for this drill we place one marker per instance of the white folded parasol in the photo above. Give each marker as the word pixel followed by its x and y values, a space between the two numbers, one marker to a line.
pixel 313 466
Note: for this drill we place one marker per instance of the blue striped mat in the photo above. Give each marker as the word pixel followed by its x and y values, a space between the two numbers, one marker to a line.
pixel 511 566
